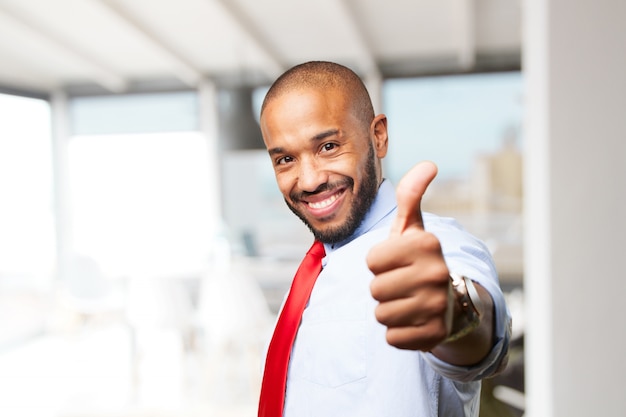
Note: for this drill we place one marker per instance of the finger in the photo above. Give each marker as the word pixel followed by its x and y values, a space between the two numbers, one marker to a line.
pixel 391 285
pixel 402 250
pixel 402 311
pixel 409 193
pixel 411 282
pixel 423 338
pixel 397 313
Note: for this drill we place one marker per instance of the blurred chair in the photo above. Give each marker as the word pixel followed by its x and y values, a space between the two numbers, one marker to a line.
pixel 160 312
pixel 234 322
pixel 87 293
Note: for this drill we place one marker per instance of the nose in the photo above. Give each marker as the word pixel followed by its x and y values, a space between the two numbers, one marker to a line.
pixel 310 175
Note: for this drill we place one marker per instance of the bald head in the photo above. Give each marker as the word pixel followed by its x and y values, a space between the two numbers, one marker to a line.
pixel 321 75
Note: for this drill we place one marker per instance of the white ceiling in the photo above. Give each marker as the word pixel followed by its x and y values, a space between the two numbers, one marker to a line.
pixel 125 45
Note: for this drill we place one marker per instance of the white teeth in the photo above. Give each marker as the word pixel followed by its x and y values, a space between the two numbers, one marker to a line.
pixel 322 204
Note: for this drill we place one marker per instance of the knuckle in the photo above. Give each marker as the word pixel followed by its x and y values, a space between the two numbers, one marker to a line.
pixel 372 264
pixel 381 313
pixel 376 290
pixel 429 242
pixel 440 273
pixel 372 259
pixel 423 243
pixel 394 338
pixel 391 339
pixel 444 273
pixel 440 305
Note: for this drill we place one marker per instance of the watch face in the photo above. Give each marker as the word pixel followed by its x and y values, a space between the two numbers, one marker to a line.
pixel 469 306
pixel 472 294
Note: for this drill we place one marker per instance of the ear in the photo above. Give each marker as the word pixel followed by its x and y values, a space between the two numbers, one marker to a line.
pixel 378 132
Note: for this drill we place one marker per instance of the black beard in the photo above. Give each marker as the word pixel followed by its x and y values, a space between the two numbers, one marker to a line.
pixel 362 203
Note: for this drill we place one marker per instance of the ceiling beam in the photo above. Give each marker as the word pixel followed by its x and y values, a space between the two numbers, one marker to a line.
pixel 467 34
pixel 102 74
pixel 367 60
pixel 255 37
pixel 30 93
pixel 185 71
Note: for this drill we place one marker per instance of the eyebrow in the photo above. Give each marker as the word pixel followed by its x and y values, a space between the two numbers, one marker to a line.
pixel 320 136
pixel 325 134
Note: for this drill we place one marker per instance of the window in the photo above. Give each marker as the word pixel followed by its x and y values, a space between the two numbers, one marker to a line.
pixel 26 214
pixel 141 203
pixel 470 126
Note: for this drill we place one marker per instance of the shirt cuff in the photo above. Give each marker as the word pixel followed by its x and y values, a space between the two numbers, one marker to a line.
pixel 489 366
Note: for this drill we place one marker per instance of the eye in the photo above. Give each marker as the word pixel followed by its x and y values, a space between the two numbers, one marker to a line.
pixel 284 160
pixel 328 146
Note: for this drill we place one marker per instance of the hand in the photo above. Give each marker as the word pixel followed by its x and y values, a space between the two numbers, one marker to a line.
pixel 412 281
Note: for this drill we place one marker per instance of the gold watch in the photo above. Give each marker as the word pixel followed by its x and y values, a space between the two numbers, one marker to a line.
pixel 468 309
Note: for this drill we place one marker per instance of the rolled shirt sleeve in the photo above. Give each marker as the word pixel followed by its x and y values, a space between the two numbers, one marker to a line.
pixel 468 256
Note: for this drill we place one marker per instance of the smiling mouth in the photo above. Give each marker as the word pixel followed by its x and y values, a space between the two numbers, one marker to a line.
pixel 324 203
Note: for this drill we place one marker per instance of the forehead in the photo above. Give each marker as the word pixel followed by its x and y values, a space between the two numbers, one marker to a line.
pixel 306 112
pixel 308 98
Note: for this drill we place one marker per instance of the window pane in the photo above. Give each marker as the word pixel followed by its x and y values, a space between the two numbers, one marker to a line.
pixel 451 120
pixel 470 126
pixel 140 203
pixel 134 113
pixel 26 218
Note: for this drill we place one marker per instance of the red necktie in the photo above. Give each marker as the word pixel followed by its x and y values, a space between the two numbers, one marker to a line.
pixel 277 361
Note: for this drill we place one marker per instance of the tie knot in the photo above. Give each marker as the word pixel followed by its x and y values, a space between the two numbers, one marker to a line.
pixel 317 250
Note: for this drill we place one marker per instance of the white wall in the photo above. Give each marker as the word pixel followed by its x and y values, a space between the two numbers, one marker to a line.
pixel 575 187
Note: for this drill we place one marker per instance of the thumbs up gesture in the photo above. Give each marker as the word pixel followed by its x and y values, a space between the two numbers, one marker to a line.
pixel 412 281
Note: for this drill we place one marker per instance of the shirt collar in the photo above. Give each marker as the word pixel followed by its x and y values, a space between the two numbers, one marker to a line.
pixel 384 204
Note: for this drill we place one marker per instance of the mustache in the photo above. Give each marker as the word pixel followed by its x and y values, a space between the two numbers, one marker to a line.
pixel 346 182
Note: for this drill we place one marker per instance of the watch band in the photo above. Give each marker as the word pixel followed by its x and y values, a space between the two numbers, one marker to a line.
pixel 468 310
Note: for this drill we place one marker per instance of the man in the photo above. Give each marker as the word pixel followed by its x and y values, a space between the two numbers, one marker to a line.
pixel 386 331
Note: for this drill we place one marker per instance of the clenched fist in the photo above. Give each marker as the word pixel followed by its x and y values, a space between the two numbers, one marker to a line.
pixel 412 281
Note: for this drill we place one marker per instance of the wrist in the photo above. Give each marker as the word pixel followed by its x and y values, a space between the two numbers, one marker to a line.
pixel 468 307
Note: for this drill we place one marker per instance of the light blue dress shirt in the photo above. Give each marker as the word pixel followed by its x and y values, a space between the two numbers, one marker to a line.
pixel 341 364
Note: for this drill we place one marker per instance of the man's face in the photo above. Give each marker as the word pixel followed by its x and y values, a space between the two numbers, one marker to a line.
pixel 325 163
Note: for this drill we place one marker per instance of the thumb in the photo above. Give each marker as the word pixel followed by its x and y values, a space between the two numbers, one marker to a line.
pixel 409 194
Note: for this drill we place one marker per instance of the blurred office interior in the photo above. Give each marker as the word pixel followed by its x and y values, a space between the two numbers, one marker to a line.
pixel 144 246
